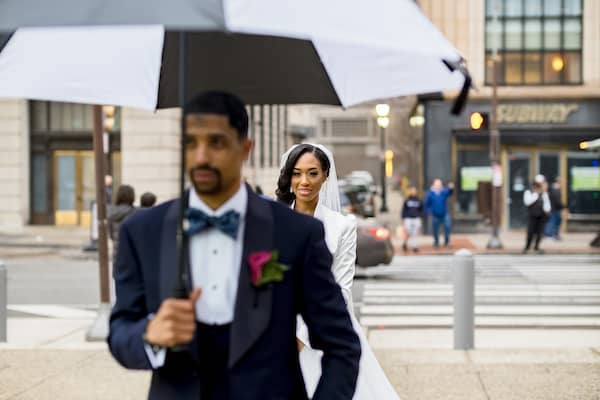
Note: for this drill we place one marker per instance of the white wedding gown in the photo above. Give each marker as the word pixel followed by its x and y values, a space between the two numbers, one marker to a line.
pixel 340 235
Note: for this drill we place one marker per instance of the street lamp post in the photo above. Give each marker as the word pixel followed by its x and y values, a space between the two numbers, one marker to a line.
pixel 494 241
pixel 383 120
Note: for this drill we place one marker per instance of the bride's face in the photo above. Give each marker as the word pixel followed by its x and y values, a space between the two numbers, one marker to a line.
pixel 307 178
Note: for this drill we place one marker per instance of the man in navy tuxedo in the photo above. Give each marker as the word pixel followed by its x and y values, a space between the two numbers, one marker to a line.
pixel 252 266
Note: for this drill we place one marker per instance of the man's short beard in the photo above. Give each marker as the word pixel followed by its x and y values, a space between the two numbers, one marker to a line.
pixel 204 189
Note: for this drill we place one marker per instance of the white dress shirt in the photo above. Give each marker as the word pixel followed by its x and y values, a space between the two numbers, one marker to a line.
pixel 215 262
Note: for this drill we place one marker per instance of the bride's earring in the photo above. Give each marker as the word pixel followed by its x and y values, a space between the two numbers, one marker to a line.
pixel 291 190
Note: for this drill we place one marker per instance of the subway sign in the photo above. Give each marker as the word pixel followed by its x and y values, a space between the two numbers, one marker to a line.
pixel 544 113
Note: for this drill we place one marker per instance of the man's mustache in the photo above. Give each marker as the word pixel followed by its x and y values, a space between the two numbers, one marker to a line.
pixel 205 168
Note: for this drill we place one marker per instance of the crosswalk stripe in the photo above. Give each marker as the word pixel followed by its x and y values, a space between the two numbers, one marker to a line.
pixel 444 293
pixel 574 310
pixel 53 311
pixel 480 321
pixel 408 286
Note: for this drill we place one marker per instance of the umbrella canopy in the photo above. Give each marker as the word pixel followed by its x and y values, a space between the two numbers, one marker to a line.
pixel 265 51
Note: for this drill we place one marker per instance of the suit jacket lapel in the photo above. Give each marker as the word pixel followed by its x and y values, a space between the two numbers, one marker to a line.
pixel 253 305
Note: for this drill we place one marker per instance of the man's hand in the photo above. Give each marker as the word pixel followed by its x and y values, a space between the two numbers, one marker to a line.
pixel 450 185
pixel 174 323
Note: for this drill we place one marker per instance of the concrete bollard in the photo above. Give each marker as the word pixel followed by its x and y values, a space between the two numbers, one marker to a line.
pixel 3 301
pixel 463 275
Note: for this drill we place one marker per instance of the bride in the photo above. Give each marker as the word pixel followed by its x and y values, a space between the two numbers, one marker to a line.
pixel 308 183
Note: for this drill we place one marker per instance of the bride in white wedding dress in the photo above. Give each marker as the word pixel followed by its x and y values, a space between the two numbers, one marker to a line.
pixel 308 183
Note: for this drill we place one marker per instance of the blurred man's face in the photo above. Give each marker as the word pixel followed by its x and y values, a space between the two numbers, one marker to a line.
pixel 412 191
pixel 437 184
pixel 214 154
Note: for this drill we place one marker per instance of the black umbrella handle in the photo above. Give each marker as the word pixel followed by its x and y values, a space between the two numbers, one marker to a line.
pixel 180 291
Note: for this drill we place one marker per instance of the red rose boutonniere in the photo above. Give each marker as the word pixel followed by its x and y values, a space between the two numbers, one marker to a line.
pixel 265 268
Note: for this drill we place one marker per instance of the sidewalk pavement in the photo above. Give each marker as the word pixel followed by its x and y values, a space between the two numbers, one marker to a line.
pixel 48 358
pixel 513 243
pixel 45 240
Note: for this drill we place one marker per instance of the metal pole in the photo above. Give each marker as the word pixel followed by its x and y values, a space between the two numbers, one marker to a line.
pixel 463 274
pixel 101 204
pixel 99 329
pixel 384 207
pixel 494 241
pixel 180 291
pixel 3 301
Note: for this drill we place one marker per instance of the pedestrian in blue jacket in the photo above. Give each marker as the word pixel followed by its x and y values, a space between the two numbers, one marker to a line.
pixel 435 204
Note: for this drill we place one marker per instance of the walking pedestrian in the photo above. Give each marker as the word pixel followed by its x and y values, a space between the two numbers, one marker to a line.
pixel 538 208
pixel 435 204
pixel 553 225
pixel 412 211
pixel 118 213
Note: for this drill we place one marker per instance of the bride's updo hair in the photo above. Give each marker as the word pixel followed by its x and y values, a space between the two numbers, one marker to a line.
pixel 284 183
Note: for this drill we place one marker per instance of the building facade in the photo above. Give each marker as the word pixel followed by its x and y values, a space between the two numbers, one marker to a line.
pixel 47 170
pixel 548 80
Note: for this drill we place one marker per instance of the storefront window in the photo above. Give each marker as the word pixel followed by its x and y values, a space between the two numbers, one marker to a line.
pixel 473 166
pixel 40 183
pixel 583 181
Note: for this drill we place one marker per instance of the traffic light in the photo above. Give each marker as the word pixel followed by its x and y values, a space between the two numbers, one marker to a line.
pixel 478 121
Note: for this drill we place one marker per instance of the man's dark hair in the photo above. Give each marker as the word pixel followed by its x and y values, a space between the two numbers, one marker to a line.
pixel 125 195
pixel 221 103
pixel 148 199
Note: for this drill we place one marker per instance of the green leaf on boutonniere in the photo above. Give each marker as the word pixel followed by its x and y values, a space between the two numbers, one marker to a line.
pixel 272 271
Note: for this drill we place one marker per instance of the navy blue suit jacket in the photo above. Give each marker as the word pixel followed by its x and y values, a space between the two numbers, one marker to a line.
pixel 263 356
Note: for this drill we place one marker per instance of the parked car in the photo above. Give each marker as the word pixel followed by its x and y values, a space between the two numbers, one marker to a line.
pixel 361 198
pixel 373 243
pixel 362 178
pixel 373 240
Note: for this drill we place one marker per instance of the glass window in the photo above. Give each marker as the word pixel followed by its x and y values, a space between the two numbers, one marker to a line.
pixel 533 68
pixel 572 7
pixel 491 4
pixel 40 184
pixel 553 65
pixel 552 34
pixel 493 32
pixel 66 183
pixel 472 166
pixel 572 73
pixel 572 34
pixel 533 34
pixel 513 8
pixel 583 181
pixel 66 122
pixel 39 111
pixel 488 68
pixel 552 7
pixel 514 35
pixel 55 116
pixel 512 69
pixel 533 8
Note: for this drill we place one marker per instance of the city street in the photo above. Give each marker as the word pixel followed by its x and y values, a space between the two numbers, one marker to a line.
pixel 551 300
